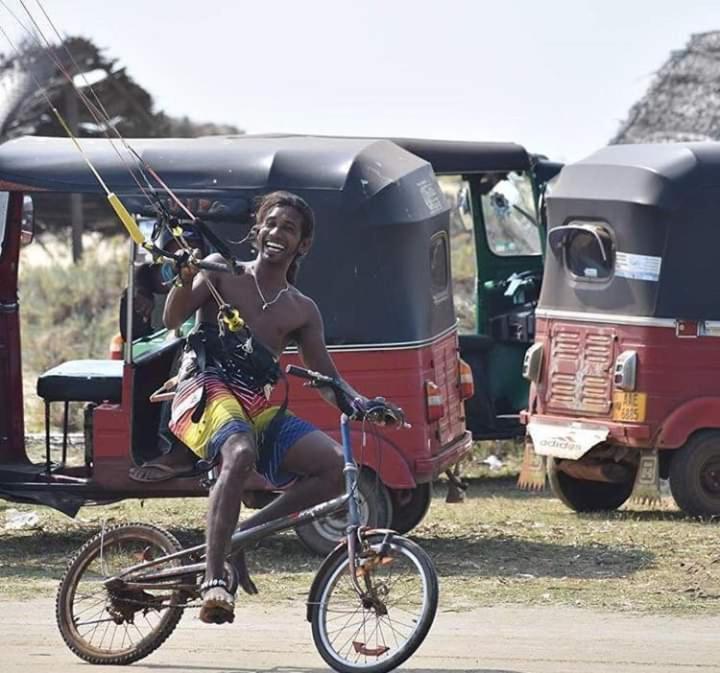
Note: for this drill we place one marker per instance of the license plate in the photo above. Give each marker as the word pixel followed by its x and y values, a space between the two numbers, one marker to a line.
pixel 629 407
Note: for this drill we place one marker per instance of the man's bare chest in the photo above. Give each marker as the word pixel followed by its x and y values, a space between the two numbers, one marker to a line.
pixel 272 319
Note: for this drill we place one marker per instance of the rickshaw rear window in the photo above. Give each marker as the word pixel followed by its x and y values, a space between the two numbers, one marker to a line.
pixel 439 267
pixel 589 254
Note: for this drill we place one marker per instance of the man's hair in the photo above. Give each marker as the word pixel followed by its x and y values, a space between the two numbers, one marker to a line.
pixel 269 201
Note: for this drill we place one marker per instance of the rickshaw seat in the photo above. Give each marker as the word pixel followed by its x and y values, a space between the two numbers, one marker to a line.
pixel 82 381
pixel 93 381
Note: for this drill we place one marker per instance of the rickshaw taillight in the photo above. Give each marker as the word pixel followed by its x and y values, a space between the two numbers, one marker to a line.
pixel 435 402
pixel 465 380
pixel 532 363
pixel 625 371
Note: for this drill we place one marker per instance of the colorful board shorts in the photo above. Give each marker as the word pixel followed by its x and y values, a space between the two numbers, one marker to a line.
pixel 232 407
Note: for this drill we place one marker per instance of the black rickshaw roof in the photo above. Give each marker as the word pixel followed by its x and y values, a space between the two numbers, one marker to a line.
pixel 221 163
pixel 458 156
pixel 659 205
pixel 657 174
pixel 217 163
pixel 380 248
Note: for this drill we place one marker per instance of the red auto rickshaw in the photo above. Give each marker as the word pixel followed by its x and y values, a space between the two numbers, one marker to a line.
pixel 379 271
pixel 625 390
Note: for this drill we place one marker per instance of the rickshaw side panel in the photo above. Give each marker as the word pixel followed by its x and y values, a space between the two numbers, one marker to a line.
pixel 412 455
pixel 12 424
pixel 698 414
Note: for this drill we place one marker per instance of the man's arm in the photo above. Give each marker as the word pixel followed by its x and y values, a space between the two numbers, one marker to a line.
pixel 184 300
pixel 314 353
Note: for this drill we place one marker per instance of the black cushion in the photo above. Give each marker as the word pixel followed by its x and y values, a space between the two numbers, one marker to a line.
pixel 82 381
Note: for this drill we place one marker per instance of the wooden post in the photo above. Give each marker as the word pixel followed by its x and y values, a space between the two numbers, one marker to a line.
pixel 76 202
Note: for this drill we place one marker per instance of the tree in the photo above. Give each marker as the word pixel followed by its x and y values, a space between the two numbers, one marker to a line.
pixel 28 76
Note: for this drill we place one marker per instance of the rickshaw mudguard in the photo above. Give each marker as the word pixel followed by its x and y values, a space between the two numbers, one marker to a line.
pixel 384 458
pixel 340 550
pixel 66 503
pixel 697 414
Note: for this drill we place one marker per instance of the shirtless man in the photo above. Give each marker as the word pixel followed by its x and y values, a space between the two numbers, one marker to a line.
pixel 219 410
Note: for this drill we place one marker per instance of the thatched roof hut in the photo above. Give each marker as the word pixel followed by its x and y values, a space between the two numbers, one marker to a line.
pixel 683 102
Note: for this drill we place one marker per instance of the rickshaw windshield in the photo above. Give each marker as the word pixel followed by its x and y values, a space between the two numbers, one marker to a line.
pixel 511 221
pixel 4 200
pixel 462 250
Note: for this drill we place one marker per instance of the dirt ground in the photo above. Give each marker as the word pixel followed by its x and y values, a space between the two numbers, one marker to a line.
pixel 501 546
pixel 527 586
pixel 502 639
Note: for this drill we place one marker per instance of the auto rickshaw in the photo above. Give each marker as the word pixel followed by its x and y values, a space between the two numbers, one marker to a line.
pixel 497 236
pixel 379 271
pixel 497 231
pixel 624 367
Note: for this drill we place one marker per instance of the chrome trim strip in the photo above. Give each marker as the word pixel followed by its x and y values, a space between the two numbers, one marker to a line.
pixel 612 318
pixel 401 345
pixel 711 328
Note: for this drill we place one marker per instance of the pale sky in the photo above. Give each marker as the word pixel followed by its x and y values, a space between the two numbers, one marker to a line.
pixel 557 76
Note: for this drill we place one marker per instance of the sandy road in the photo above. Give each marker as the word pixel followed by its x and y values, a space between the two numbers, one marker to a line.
pixel 493 640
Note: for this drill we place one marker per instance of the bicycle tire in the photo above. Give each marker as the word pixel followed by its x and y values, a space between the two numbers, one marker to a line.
pixel 143 536
pixel 336 572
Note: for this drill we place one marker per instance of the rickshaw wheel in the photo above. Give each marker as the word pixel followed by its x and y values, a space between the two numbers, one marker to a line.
pixel 695 475
pixel 322 535
pixel 410 506
pixel 583 495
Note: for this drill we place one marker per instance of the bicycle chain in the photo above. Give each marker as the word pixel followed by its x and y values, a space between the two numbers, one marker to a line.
pixel 144 604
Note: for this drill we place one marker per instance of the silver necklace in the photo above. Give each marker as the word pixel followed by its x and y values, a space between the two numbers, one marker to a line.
pixel 265 302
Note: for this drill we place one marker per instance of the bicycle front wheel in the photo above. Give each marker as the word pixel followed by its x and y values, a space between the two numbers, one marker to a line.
pixel 376 631
pixel 106 626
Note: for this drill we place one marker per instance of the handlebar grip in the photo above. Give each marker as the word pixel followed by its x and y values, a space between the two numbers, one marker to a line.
pixel 213 266
pixel 300 372
pixel 316 377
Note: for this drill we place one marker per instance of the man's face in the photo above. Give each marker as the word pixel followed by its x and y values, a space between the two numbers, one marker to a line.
pixel 279 236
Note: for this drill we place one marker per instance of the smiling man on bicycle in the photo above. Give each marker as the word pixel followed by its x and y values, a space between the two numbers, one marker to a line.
pixel 221 408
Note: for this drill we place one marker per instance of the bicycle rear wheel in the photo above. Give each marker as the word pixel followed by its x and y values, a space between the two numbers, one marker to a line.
pixel 103 626
pixel 377 631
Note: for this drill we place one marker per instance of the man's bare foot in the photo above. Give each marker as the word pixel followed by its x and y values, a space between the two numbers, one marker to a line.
pixel 178 463
pixel 218 606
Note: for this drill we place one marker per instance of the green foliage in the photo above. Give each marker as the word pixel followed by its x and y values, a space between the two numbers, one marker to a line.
pixel 68 312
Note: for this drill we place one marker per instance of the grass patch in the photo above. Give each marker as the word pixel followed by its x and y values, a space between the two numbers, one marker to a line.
pixel 68 311
pixel 501 546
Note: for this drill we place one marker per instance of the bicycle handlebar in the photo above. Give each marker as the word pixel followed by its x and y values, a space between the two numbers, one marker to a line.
pixel 185 257
pixel 318 379
pixel 376 410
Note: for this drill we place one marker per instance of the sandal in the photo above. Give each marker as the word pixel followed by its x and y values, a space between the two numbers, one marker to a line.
pixel 218 606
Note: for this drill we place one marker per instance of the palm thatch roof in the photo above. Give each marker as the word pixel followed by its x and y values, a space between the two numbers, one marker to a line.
pixel 682 103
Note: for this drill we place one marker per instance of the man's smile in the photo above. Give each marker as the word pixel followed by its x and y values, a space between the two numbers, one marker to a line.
pixel 273 247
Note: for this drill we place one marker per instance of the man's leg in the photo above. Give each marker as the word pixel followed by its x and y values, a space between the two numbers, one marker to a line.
pixel 238 460
pixel 318 460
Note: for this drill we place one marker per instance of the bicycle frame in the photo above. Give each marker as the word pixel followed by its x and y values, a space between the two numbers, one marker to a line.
pixel 241 538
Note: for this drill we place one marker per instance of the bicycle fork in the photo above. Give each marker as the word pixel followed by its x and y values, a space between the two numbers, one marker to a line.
pixel 350 471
